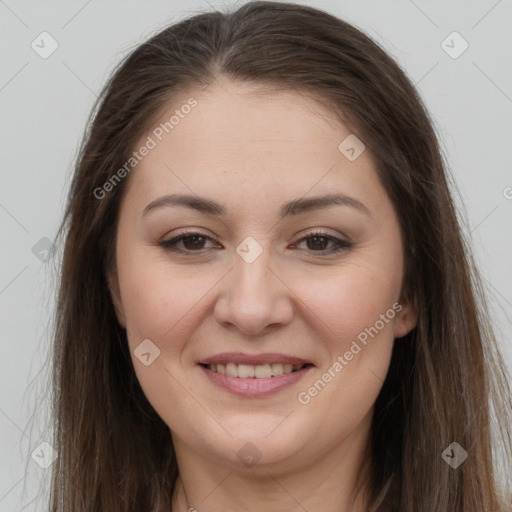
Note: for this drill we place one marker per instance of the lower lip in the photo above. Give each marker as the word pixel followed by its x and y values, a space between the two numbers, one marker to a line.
pixel 253 387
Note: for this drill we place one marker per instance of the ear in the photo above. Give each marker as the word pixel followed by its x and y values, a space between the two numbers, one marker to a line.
pixel 115 294
pixel 407 318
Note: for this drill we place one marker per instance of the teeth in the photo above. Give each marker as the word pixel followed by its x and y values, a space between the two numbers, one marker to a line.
pixel 231 370
pixel 260 371
pixel 276 369
pixel 245 371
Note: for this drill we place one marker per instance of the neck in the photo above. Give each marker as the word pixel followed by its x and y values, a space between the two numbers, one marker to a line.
pixel 335 481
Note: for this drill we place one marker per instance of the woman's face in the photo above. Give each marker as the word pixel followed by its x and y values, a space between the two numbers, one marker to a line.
pixel 253 292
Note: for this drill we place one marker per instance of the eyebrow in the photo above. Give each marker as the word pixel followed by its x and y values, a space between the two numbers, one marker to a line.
pixel 294 207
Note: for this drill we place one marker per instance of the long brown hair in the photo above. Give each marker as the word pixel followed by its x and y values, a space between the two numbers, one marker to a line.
pixel 446 375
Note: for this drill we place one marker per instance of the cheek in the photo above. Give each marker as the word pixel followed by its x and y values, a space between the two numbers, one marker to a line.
pixel 162 305
pixel 354 312
pixel 160 300
pixel 351 299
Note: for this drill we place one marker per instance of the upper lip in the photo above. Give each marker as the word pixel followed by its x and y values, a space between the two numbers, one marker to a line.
pixel 253 359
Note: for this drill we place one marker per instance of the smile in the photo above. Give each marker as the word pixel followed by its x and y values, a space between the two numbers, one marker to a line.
pixel 249 371
pixel 254 376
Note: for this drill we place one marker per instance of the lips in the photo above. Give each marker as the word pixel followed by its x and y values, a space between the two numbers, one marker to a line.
pixel 254 375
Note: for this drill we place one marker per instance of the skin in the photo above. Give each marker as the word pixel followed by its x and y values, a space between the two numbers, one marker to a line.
pixel 253 151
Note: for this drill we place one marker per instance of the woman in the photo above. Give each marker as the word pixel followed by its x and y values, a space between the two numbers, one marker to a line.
pixel 266 301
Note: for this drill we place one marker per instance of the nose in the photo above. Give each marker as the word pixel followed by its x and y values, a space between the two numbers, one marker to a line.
pixel 255 298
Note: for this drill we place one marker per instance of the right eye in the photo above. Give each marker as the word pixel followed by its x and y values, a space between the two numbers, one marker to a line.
pixel 192 242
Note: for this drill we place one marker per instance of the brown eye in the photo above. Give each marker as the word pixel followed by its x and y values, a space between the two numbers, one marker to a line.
pixel 191 242
pixel 318 242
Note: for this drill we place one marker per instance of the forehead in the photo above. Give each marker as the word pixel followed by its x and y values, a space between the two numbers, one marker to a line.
pixel 246 118
pixel 250 139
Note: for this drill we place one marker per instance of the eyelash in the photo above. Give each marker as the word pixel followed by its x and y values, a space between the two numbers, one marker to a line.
pixel 169 245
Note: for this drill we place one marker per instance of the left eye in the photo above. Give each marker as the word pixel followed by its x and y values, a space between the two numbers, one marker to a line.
pixel 194 242
pixel 318 241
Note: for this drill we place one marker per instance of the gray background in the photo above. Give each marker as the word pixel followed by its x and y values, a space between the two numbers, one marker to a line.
pixel 44 104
